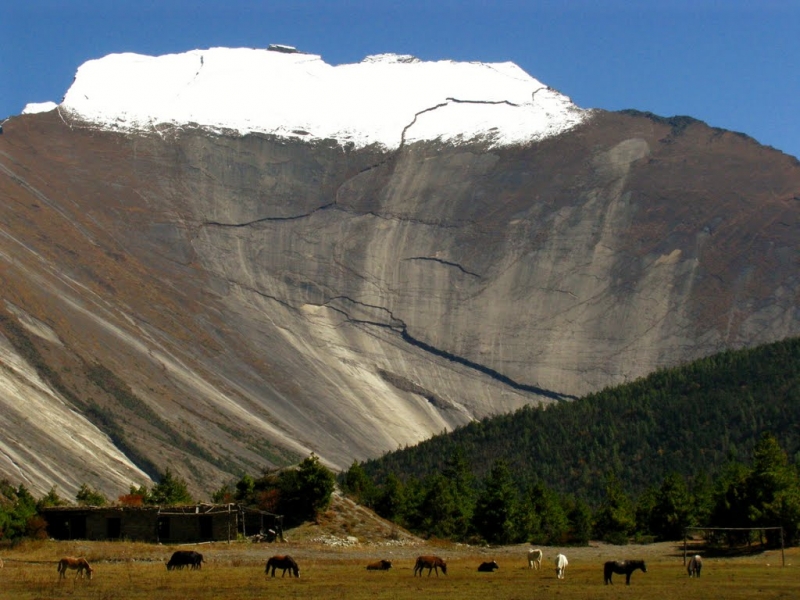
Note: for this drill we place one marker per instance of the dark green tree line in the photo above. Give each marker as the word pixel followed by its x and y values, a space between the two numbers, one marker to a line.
pixel 454 505
pixel 708 412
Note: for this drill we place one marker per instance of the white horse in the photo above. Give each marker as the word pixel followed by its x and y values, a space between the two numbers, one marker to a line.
pixel 561 566
pixel 694 566
pixel 534 558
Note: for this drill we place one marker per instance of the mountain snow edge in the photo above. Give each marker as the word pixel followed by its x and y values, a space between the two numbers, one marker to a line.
pixel 386 100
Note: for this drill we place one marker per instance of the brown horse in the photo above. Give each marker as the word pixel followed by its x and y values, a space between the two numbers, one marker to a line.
pixel 287 563
pixel 432 563
pixel 381 565
pixel 81 566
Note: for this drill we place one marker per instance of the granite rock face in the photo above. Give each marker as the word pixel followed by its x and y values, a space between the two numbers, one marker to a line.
pixel 215 303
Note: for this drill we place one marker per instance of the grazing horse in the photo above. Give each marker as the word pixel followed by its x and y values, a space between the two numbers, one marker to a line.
pixel 431 563
pixel 81 566
pixel 621 567
pixel 287 563
pixel 381 565
pixel 488 567
pixel 694 566
pixel 185 558
pixel 561 566
pixel 535 558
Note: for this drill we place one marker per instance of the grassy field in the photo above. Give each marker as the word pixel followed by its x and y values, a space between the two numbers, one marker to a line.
pixel 136 571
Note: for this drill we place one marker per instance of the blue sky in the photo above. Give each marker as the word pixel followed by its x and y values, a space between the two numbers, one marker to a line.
pixel 733 64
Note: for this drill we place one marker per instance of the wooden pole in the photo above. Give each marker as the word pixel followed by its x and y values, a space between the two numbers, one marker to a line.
pixel 783 557
pixel 684 547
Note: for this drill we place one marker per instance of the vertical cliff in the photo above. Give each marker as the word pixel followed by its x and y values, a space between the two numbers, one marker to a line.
pixel 214 302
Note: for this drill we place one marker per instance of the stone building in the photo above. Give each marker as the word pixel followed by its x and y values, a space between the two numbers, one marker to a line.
pixel 164 524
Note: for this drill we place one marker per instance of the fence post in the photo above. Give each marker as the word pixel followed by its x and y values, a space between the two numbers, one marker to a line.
pixel 684 546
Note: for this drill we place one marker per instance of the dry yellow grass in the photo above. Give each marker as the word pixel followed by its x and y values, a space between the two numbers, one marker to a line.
pixel 132 571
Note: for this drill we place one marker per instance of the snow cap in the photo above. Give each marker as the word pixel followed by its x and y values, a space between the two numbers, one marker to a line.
pixel 386 99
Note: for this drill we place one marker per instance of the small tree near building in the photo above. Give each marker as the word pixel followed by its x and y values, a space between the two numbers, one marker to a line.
pixel 171 490
pixel 306 491
pixel 87 496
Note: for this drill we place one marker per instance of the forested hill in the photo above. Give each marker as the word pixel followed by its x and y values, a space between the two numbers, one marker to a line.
pixel 689 420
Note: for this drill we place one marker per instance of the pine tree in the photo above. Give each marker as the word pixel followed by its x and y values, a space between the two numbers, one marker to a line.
pixel 615 520
pixel 358 485
pixel 87 496
pixel 306 491
pixel 391 502
pixel 497 507
pixel 730 500
pixel 542 517
pixel 673 510
pixel 171 490
pixel 580 523
pixel 51 499
pixel 773 490
pixel 457 471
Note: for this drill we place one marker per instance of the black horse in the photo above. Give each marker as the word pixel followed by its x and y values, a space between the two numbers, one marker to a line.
pixel 381 565
pixel 287 563
pixel 621 567
pixel 488 567
pixel 185 558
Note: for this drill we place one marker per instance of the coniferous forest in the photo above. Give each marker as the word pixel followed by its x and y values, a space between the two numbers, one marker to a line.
pixel 713 442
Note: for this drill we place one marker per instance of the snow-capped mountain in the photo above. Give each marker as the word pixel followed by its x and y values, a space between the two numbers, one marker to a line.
pixel 225 259
pixel 386 100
